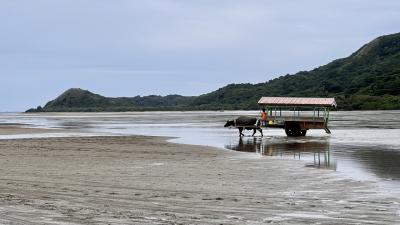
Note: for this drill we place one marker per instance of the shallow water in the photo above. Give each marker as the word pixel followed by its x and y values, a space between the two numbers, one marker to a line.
pixel 363 145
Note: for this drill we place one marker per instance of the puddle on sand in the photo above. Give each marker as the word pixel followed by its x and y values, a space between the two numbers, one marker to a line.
pixel 315 153
pixel 372 162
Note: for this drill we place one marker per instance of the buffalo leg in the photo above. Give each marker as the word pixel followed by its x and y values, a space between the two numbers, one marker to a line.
pixel 254 132
pixel 240 131
pixel 262 135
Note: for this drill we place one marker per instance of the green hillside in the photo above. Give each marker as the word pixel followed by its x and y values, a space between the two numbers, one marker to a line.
pixel 78 100
pixel 367 79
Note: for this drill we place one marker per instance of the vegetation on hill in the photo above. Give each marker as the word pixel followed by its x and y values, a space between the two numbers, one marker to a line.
pixel 78 100
pixel 367 79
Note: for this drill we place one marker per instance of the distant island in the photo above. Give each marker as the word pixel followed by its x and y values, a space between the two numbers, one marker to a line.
pixel 369 79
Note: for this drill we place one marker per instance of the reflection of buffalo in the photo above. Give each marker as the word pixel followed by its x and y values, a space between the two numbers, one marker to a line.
pixel 245 122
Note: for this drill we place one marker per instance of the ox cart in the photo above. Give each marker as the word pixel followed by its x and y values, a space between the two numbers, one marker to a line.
pixel 295 115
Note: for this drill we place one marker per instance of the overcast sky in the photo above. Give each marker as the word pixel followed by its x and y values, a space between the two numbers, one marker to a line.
pixel 128 47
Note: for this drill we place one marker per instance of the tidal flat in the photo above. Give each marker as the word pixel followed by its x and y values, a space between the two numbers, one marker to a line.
pixel 185 168
pixel 146 180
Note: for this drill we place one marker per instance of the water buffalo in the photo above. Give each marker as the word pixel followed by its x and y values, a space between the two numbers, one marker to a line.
pixel 245 122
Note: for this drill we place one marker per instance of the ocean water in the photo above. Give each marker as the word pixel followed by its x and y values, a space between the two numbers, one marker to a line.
pixel 364 145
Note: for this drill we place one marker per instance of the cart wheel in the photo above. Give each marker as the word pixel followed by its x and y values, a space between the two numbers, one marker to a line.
pixel 294 130
pixel 289 132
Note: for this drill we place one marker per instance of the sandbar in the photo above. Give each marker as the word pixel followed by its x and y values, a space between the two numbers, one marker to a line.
pixel 147 180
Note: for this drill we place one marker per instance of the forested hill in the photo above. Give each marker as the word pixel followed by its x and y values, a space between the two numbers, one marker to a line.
pixel 78 100
pixel 367 79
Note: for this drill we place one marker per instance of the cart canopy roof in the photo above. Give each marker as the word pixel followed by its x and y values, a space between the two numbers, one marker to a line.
pixel 294 101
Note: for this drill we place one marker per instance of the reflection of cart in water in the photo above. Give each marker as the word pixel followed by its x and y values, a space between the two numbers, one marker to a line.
pixel 316 152
pixel 297 115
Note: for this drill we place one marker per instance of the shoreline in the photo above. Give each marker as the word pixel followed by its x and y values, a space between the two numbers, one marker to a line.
pixel 21 129
pixel 149 180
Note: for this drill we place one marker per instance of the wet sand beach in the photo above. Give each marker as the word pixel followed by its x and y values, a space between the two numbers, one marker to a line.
pixel 146 180
pixel 16 129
